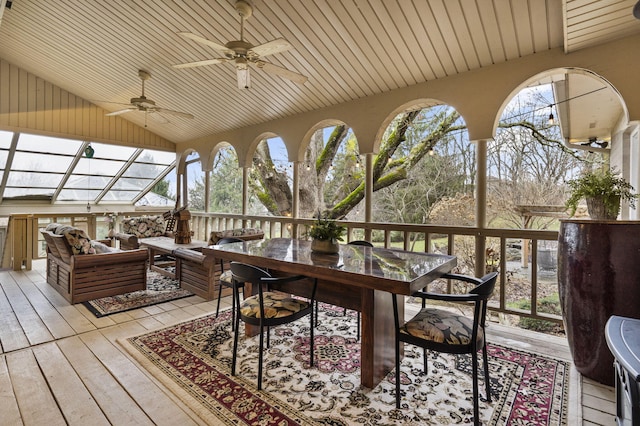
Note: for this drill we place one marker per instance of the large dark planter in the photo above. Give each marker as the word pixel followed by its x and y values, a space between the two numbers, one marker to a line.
pixel 598 276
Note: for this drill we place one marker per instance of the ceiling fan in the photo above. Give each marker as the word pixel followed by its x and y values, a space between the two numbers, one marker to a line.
pixel 243 53
pixel 147 105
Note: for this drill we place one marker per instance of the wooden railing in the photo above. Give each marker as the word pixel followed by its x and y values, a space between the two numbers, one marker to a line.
pixel 528 272
pixel 515 253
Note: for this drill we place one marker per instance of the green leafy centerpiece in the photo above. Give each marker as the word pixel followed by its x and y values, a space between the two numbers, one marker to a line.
pixel 325 234
pixel 603 190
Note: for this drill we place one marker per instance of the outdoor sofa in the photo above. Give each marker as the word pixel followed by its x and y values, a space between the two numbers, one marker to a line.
pixel 82 269
pixel 137 227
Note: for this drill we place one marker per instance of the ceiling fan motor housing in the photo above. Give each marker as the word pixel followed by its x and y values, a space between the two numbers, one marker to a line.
pixel 142 100
pixel 239 47
pixel 244 9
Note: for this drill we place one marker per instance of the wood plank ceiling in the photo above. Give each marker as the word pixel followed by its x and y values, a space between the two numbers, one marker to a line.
pixel 349 49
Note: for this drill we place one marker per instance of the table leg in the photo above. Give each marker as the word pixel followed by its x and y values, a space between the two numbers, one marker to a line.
pixel 377 357
pixel 378 336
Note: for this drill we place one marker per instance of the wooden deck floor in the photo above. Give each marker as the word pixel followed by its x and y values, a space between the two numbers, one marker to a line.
pixel 61 365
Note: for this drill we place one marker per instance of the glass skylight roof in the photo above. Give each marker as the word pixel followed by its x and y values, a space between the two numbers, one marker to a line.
pixel 44 168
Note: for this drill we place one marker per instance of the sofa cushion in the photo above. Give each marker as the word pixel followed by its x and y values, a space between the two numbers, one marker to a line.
pixel 52 227
pixel 99 247
pixel 216 236
pixel 144 226
pixel 58 228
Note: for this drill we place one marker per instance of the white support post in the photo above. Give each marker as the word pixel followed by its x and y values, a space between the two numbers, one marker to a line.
pixel 368 193
pixel 481 203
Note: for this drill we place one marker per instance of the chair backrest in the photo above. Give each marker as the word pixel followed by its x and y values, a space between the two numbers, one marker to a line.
pixel 228 240
pixel 51 245
pixel 361 243
pixel 243 273
pixel 487 286
pixel 59 246
pixel 223 241
pixel 484 290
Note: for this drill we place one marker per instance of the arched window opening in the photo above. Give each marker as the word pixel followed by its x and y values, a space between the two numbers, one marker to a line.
pixel 332 175
pixel 529 163
pixel 195 178
pixel 271 179
pixel 226 183
pixel 425 161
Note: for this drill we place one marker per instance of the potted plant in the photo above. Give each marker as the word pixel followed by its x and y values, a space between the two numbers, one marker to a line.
pixel 325 234
pixel 603 190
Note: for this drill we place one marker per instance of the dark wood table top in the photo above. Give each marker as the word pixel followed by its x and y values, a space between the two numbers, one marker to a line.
pixel 395 271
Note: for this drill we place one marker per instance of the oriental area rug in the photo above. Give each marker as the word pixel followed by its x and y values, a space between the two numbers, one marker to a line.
pixel 160 289
pixel 193 360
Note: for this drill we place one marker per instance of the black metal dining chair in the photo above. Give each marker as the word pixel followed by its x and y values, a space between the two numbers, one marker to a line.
pixel 354 243
pixel 447 331
pixel 225 279
pixel 268 308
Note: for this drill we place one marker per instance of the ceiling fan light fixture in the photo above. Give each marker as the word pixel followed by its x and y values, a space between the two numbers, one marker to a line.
pixel 243 75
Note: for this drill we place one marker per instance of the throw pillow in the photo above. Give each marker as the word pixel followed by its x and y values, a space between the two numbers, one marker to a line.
pixel 79 241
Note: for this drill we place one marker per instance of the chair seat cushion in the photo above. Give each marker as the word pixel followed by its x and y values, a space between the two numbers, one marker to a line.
pixel 226 277
pixel 442 326
pixel 276 305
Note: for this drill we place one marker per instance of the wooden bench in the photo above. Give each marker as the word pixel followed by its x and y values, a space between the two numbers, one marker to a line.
pixel 199 273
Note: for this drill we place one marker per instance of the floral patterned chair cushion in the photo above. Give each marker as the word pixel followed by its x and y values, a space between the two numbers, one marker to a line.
pixel 276 305
pixel 144 226
pixel 442 326
pixel 227 276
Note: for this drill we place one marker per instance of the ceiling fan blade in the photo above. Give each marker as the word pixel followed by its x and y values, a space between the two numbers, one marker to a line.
pixel 171 112
pixel 156 117
pixel 271 47
pixel 220 48
pixel 201 63
pixel 109 102
pixel 122 111
pixel 282 72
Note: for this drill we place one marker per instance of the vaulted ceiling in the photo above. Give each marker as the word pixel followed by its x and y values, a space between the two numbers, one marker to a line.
pixel 348 49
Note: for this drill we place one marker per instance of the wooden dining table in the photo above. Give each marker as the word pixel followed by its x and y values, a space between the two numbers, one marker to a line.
pixel 358 277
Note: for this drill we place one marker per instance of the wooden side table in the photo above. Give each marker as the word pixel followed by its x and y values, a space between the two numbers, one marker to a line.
pixel 623 339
